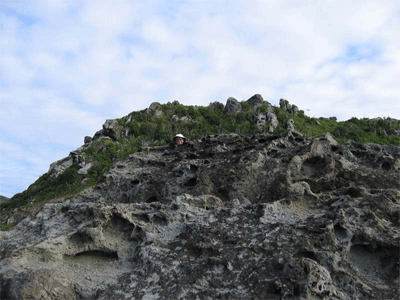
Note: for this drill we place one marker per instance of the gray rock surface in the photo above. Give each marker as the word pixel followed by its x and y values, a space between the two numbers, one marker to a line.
pixel 272 119
pixel 58 167
pixel 112 129
pixel 292 109
pixel 290 125
pixel 256 100
pixel 87 139
pixel 232 106
pixel 155 105
pixel 158 113
pixel 227 217
pixel 260 120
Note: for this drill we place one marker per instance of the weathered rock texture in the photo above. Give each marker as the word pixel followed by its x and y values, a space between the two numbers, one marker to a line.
pixel 232 106
pixel 3 198
pixel 272 119
pixel 225 217
pixel 256 100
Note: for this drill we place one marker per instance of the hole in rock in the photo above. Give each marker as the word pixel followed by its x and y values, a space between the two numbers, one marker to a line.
pixel 194 168
pixel 386 166
pixel 261 141
pixel 178 173
pixel 141 217
pixel 125 198
pixel 160 220
pixel 137 233
pixel 135 182
pixel 191 156
pixel 223 194
pixel 340 232
pixel 119 223
pixel 377 264
pixel 98 254
pixel 80 238
pixel 334 148
pixel 314 167
pixel 273 153
pixel 306 254
pixel 152 199
pixel 191 182
pixel 354 192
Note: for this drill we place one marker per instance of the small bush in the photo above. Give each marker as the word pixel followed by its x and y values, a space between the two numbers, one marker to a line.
pixel 6 227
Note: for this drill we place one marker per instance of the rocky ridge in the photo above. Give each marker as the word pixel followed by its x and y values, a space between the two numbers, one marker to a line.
pixel 222 217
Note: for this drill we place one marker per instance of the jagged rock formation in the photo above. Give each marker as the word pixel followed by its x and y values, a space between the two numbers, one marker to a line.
pixel 224 217
pixel 232 106
pixel 272 119
pixel 256 100
pixel 290 108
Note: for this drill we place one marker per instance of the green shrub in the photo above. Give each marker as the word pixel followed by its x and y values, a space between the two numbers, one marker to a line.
pixel 144 128
pixel 6 227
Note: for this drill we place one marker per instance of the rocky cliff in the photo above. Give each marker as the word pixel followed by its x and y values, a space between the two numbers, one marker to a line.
pixel 222 217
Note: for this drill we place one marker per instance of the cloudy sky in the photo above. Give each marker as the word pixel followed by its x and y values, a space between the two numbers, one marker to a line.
pixel 67 66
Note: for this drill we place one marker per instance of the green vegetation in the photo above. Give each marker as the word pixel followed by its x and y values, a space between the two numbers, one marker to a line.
pixel 104 157
pixel 142 128
pixel 199 122
pixel 379 131
pixel 6 227
pixel 46 188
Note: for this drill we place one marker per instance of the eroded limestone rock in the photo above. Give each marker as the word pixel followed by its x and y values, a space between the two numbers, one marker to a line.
pixel 228 216
pixel 256 100
pixel 232 106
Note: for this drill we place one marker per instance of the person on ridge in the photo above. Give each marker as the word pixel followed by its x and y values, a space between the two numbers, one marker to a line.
pixel 179 139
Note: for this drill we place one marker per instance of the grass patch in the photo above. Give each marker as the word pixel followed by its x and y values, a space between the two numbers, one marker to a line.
pixel 144 128
pixel 6 227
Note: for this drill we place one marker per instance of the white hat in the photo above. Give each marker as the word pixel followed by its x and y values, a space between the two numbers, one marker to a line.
pixel 179 136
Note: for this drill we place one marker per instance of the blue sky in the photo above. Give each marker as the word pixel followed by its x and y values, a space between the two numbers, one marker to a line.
pixel 67 66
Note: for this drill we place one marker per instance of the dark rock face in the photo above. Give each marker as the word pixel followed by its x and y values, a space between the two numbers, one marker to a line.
pixel 155 106
pixel 272 119
pixel 225 217
pixel 292 109
pixel 112 129
pixel 232 106
pixel 87 139
pixel 255 100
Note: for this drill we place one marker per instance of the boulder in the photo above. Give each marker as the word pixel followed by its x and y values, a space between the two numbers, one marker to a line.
pixel 58 167
pixel 255 100
pixel 260 120
pixel 87 139
pixel 158 113
pixel 290 125
pixel 272 119
pixel 112 129
pixel 292 109
pixel 154 106
pixel 232 106
pixel 284 104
